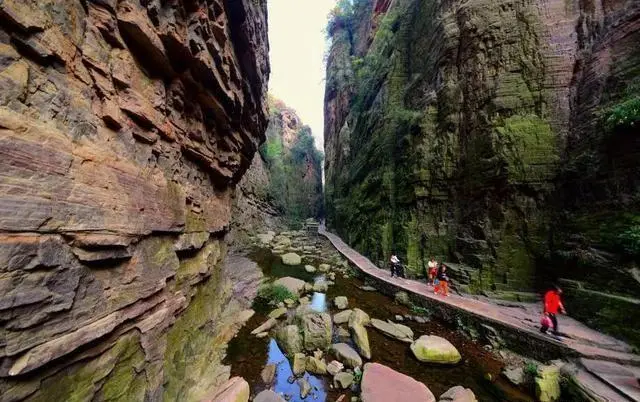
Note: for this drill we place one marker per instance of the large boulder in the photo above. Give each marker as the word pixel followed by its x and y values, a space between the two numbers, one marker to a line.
pixel 299 364
pixel 341 302
pixel 310 268
pixel 289 339
pixel 397 331
pixel 383 384
pixel 342 317
pixel 548 383
pixel 458 394
pixel 316 366
pixel 343 380
pixel 434 349
pixel 359 332
pixel 294 285
pixel 317 331
pixel 291 259
pixel 345 354
pixel 268 396
pixel 359 317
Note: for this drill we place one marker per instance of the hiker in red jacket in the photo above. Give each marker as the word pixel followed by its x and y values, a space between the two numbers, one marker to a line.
pixel 552 305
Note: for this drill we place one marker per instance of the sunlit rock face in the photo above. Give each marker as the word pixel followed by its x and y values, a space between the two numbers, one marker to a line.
pixel 490 134
pixel 124 128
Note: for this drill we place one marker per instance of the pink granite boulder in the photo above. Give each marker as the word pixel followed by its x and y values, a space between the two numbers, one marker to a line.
pixel 383 384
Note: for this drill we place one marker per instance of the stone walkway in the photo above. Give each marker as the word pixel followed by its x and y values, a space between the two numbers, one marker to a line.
pixel 591 345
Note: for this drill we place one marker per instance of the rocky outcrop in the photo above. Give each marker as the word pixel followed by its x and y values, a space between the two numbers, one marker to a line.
pixel 383 384
pixel 284 183
pixel 498 135
pixel 124 128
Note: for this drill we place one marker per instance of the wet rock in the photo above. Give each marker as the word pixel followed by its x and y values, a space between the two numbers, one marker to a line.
pixel 334 367
pixel 368 288
pixel 434 349
pixel 514 375
pixel 383 384
pixel 308 287
pixel 324 267
pixel 277 313
pixel 304 301
pixel 291 259
pixel 317 331
pixel 268 396
pixel 343 380
pixel 403 298
pixel 265 326
pixel 282 241
pixel 294 285
pixel 345 354
pixel 262 335
pixel 341 302
pixel 343 334
pixel 397 331
pixel 310 268
pixel 268 373
pixel 420 320
pixel 299 364
pixel 316 366
pixel 318 354
pixel 399 318
pixel 289 339
pixel 547 383
pixel 305 387
pixel 289 303
pixel 320 287
pixel 357 320
pixel 342 317
pixel 359 317
pixel 458 394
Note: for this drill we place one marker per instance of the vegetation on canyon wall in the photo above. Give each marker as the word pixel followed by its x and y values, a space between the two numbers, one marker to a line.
pixel 294 165
pixel 454 129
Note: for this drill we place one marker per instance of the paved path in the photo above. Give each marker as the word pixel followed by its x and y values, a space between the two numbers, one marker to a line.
pixel 586 342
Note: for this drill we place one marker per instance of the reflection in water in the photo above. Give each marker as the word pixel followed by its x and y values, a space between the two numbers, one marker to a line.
pixel 283 373
pixel 319 302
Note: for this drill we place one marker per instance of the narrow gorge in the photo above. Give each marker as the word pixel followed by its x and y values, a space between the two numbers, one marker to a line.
pixel 170 230
pixel 498 135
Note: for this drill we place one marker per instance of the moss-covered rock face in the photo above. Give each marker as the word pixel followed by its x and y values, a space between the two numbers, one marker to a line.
pixel 462 130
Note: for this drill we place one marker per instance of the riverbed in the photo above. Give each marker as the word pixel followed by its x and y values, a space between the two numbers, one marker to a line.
pixel 247 355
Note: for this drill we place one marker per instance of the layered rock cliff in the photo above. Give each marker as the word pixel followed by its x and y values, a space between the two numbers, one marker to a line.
pixel 501 135
pixel 284 184
pixel 124 128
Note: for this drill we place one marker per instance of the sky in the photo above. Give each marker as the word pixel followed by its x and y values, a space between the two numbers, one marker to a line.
pixel 297 43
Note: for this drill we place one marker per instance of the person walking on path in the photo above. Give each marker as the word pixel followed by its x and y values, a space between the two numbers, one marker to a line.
pixel 433 270
pixel 394 265
pixel 552 305
pixel 443 281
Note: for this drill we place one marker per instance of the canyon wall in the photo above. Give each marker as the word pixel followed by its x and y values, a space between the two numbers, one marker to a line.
pixel 283 186
pixel 498 135
pixel 124 128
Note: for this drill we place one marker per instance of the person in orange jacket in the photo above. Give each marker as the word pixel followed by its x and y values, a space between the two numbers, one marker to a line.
pixel 552 305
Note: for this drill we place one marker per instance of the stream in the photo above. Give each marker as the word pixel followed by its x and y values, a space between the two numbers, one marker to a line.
pixel 247 355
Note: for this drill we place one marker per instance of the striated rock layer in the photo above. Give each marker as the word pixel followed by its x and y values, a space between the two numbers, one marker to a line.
pixel 500 135
pixel 124 128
